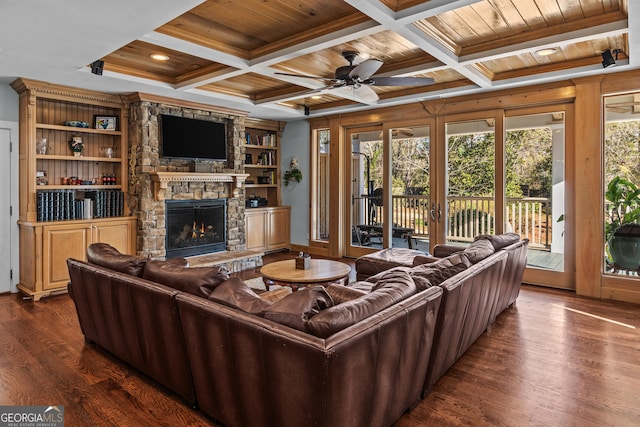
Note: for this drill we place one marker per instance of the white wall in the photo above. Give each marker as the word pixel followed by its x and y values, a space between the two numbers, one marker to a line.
pixel 9 121
pixel 8 103
pixel 295 142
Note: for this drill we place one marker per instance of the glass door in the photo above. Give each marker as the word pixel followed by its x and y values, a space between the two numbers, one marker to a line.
pixel 410 186
pixel 390 178
pixel 365 175
pixel 470 182
pixel 535 186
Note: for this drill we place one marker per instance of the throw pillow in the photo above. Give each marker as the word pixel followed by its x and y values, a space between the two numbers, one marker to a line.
pixel 395 286
pixel 479 250
pixel 501 240
pixel 107 256
pixel 428 275
pixel 236 293
pixel 198 281
pixel 296 309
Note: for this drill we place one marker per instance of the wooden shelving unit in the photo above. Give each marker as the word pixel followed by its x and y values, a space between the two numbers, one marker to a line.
pixel 262 139
pixel 268 227
pixel 45 110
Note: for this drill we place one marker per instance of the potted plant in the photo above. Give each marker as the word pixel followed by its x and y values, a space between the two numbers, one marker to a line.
pixel 293 174
pixel 76 145
pixel 623 208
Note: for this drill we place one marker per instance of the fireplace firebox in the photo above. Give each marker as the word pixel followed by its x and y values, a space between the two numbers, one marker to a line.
pixel 195 227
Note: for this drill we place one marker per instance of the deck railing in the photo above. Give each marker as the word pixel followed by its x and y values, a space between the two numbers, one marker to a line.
pixel 469 216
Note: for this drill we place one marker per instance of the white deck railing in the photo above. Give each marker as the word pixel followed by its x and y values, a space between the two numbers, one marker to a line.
pixel 470 216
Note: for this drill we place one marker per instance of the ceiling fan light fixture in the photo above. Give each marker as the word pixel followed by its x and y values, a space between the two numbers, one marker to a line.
pixel 159 57
pixel 546 51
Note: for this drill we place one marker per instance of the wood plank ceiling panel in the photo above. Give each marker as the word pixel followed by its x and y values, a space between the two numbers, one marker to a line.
pixel 134 59
pixel 397 5
pixel 570 56
pixel 250 85
pixel 238 27
pixel 387 46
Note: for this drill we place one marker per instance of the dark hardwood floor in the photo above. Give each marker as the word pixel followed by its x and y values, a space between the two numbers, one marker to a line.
pixel 553 359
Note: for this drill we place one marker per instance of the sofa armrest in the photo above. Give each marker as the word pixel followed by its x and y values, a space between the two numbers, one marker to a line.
pixel 444 250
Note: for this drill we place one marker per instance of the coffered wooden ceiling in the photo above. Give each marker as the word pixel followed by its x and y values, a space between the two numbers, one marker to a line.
pixel 232 49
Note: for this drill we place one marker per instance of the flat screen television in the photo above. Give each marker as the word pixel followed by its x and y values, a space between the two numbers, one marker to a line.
pixel 187 138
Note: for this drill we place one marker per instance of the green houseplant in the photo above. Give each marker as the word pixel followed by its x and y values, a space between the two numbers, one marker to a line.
pixel 623 207
pixel 293 174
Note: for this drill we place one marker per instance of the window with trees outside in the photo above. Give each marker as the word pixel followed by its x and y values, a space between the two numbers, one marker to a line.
pixel 621 181
pixel 322 196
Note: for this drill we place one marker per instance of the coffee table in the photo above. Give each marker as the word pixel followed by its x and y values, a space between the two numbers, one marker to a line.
pixel 320 272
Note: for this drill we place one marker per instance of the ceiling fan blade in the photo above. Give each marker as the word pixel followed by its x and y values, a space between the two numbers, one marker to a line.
pixel 367 94
pixel 363 94
pixel 366 69
pixel 401 81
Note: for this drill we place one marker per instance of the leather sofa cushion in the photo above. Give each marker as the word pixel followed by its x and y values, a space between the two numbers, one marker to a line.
pixel 394 286
pixel 236 293
pixel 433 274
pixel 297 308
pixel 384 259
pixel 198 281
pixel 361 285
pixel 478 250
pixel 501 240
pixel 340 293
pixel 107 256
pixel 424 259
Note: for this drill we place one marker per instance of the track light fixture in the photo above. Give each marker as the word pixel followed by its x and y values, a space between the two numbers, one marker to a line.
pixel 608 59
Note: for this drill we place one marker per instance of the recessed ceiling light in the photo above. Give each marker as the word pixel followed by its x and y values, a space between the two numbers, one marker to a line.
pixel 316 97
pixel 159 56
pixel 546 52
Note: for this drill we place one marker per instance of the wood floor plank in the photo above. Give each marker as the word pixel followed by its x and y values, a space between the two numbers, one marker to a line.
pixel 554 359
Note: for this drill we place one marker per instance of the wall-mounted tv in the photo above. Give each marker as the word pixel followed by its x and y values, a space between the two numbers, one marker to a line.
pixel 186 138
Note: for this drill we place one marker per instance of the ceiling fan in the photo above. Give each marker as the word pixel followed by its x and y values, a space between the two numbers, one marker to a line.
pixel 360 77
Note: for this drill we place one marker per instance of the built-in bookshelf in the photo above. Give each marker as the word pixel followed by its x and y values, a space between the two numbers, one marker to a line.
pixel 72 180
pixel 262 157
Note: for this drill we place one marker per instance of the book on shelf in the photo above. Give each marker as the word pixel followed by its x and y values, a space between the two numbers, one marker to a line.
pixel 264 140
pixel 60 205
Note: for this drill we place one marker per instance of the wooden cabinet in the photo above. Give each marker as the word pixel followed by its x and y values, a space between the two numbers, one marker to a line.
pixel 268 229
pixel 68 199
pixel 45 247
pixel 262 160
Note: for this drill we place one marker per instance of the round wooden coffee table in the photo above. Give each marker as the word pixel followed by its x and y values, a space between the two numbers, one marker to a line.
pixel 320 272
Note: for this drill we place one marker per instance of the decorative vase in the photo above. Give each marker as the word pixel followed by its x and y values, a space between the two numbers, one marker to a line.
pixel 77 153
pixel 624 246
pixel 42 146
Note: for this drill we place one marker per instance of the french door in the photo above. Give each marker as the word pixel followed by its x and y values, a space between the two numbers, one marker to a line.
pixel 507 172
pixel 390 181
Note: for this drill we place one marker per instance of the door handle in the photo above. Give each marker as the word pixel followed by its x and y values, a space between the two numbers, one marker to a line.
pixel 432 212
pixel 439 213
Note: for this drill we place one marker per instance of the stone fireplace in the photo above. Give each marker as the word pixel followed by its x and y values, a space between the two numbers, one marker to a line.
pixel 156 183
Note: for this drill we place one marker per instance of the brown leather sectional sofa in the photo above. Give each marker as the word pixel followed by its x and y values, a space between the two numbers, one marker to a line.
pixel 336 356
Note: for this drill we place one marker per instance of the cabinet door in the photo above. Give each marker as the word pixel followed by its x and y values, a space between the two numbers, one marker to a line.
pixel 118 234
pixel 61 242
pixel 256 229
pixel 278 229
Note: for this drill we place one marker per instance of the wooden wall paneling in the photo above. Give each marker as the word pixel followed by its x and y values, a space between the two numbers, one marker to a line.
pixel 588 180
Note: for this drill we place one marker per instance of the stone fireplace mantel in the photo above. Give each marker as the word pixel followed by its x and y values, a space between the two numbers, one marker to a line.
pixel 161 180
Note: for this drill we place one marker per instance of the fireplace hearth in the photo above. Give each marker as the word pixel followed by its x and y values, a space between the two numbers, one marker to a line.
pixel 195 227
